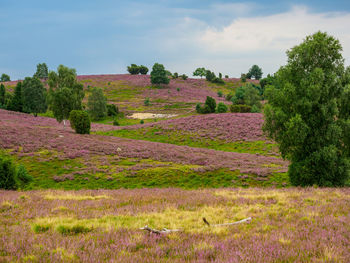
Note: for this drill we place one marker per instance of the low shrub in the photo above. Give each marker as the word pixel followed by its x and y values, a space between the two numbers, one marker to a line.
pixel 142 121
pixel 220 94
pixel 147 102
pixel 222 108
pixel 72 230
pixel 255 109
pixel 184 76
pixel 80 121
pixel 115 122
pixel 226 76
pixel 112 110
pixel 240 108
pixel 175 75
pixel 211 103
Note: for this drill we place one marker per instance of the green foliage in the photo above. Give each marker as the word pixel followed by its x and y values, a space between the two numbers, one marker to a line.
pixel 306 113
pixel 211 103
pixel 16 102
pixel 12 177
pixel 42 72
pixel 184 76
pixel 2 94
pixel 255 71
pixel 220 75
pixel 142 121
pixel 65 93
pixel 198 108
pixel 255 109
pixel 240 108
pixel 226 76
pixel 97 104
pixel 210 76
pixel 72 230
pixel 159 75
pixel 115 122
pixel 175 75
pixel 222 108
pixel 143 70
pixel 146 102
pixel 268 81
pixel 251 96
pixel 80 121
pixel 220 94
pixel 4 77
pixel 200 72
pixel 134 69
pixel 112 110
pixel 34 96
pixel 243 77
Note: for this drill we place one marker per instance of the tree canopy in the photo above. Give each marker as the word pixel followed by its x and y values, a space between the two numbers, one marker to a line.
pixel 200 72
pixel 308 112
pixel 42 71
pixel 34 96
pixel 97 104
pixel 159 75
pixel 255 71
pixel 4 77
pixel 65 93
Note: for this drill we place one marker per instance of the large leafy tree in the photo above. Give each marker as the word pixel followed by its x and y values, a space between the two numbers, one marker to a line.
pixel 42 71
pixel 255 71
pixel 308 112
pixel 97 104
pixel 16 103
pixel 34 96
pixel 4 77
pixel 65 93
pixel 159 75
pixel 200 72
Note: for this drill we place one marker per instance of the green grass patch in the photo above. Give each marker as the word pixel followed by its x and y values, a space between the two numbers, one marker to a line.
pixel 193 140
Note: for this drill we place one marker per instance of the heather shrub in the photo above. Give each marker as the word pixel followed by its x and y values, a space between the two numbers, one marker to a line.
pixel 80 121
pixel 112 110
pixel 240 108
pixel 222 108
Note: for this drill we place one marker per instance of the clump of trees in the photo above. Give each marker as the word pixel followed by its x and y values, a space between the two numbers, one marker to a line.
pixel 211 77
pixel 308 112
pixel 12 176
pixel 159 75
pixel 247 98
pixel 33 95
pixel 200 72
pixel 134 69
pixel 210 106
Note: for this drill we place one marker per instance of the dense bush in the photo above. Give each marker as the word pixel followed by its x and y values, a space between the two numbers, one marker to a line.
pixel 184 76
pixel 4 77
pixel 175 75
pixel 243 77
pixel 222 108
pixel 146 102
pixel 211 103
pixel 80 121
pixel 112 110
pixel 12 177
pixel 220 94
pixel 143 70
pixel 159 75
pixel 240 108
pixel 115 122
pixel 133 69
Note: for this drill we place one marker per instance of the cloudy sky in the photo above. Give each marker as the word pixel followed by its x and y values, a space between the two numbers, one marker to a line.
pixel 103 37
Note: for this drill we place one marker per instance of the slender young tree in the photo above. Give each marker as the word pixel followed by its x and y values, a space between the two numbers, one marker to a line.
pixel 16 103
pixel 42 71
pixel 97 104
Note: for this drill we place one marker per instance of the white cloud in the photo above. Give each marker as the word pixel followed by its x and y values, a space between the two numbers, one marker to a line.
pixel 277 32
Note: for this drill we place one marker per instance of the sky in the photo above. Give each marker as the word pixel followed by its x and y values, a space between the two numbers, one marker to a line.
pixel 105 36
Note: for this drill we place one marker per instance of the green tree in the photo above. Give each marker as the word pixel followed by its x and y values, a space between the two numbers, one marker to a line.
pixel 143 70
pixel 251 96
pixel 200 72
pixel 5 77
pixel 34 96
pixel 97 104
pixel 308 112
pixel 133 69
pixel 211 103
pixel 80 121
pixel 2 95
pixel 65 93
pixel 16 103
pixel 42 71
pixel 159 75
pixel 255 71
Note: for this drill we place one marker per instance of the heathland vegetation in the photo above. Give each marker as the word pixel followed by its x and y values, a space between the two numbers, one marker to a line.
pixel 166 151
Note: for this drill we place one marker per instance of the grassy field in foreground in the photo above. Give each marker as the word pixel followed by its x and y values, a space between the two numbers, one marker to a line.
pixel 288 225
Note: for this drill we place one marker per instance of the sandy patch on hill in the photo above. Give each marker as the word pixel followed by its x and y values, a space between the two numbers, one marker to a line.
pixel 146 115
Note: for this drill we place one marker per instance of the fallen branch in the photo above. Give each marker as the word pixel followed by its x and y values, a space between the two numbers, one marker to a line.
pixel 158 232
pixel 229 224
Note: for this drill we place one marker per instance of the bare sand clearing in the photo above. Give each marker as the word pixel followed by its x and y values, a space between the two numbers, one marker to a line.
pixel 145 115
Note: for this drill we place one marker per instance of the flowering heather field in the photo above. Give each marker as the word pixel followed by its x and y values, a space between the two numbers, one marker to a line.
pixel 288 225
pixel 235 132
pixel 130 91
pixel 60 158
